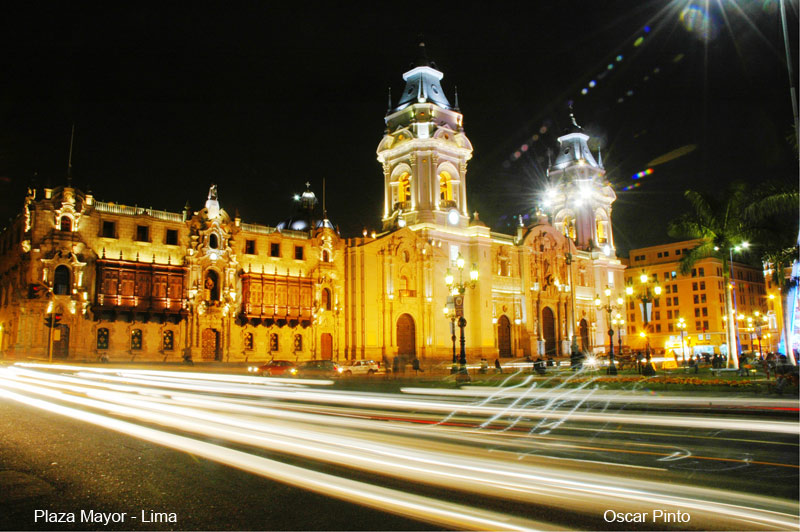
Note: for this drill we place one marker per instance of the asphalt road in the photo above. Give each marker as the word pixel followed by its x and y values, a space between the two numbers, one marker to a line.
pixel 48 462
pixel 123 441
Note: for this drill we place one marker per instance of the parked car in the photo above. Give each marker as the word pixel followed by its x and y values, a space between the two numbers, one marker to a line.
pixel 319 368
pixel 362 367
pixel 276 368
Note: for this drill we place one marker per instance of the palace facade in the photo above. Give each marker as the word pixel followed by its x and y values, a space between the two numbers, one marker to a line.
pixel 128 283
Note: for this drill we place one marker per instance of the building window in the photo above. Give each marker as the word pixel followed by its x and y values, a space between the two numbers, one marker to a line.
pixel 696 312
pixel 657 315
pixel 298 343
pixel 702 272
pixel 677 252
pixel 142 233
pixel 669 314
pixel 674 301
pixel 696 299
pixel 66 223
pixel 666 253
pixel 62 281
pixel 705 325
pixel 694 272
pixel 697 326
pixel 171 238
pixel 168 340
pixel 674 274
pixel 669 327
pixel 669 302
pixel 249 247
pixel 274 249
pixel 273 343
pixel 404 188
pixel 326 299
pixel 248 341
pixel 702 298
pixel 213 241
pixel 109 229
pixel 102 338
pixel 658 327
pixel 655 303
pixel 702 285
pixel 298 253
pixel 694 286
pixel 136 340
pixel 705 311
pixel 445 187
pixel 660 254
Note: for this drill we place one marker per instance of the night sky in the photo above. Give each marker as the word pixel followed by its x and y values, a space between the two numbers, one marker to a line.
pixel 260 97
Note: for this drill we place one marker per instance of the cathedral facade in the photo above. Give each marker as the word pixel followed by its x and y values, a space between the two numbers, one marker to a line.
pixel 127 283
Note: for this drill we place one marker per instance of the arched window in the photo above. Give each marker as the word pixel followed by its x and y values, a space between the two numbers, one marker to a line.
pixel 404 188
pixel 273 343
pixel 326 256
pixel 168 340
pixel 445 187
pixel 569 226
pixel 66 223
pixel 62 281
pixel 136 340
pixel 212 286
pixel 602 237
pixel 102 338
pixel 213 241
pixel 248 341
pixel 326 299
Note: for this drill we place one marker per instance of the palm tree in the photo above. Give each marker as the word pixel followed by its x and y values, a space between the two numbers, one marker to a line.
pixel 723 224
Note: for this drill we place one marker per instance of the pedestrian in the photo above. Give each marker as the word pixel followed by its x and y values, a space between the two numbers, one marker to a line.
pixel 395 365
pixel 497 367
pixel 539 366
pixel 415 366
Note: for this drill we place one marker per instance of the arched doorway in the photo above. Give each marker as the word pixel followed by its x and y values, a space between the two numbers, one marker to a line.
pixel 584 330
pixel 406 337
pixel 212 286
pixel 62 281
pixel 211 345
pixel 504 336
pixel 549 331
pixel 326 346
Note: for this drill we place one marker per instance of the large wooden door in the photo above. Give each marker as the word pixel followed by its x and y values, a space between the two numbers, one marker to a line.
pixel 61 341
pixel 326 346
pixel 549 331
pixel 504 336
pixel 210 344
pixel 406 337
pixel 584 330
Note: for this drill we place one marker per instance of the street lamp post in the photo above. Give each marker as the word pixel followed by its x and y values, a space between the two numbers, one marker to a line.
pixel 574 357
pixel 647 297
pixel 450 314
pixel 609 308
pixel 682 327
pixel 619 322
pixel 457 290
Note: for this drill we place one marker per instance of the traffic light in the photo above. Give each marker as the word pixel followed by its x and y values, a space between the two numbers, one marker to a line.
pixel 34 291
pixel 53 320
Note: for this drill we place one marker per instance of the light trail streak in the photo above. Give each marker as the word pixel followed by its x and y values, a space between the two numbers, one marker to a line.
pixel 404 504
pixel 360 400
pixel 365 444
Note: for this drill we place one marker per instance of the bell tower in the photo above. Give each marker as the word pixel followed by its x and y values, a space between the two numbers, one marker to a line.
pixel 424 153
pixel 581 197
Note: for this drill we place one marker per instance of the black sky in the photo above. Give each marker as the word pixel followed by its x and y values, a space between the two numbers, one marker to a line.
pixel 260 97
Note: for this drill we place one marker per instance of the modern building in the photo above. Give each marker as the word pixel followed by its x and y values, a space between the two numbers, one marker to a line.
pixel 698 298
pixel 128 282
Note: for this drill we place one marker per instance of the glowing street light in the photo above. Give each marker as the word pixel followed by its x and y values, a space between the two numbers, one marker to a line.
pixel 648 296
pixel 457 289
pixel 609 308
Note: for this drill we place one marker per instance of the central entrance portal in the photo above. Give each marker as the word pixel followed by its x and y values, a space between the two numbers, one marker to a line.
pixel 406 337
